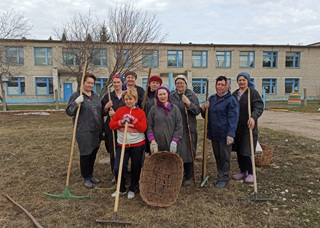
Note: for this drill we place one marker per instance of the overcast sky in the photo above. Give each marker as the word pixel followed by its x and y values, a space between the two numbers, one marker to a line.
pixel 197 21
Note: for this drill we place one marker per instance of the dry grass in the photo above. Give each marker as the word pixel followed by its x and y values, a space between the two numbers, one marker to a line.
pixel 34 159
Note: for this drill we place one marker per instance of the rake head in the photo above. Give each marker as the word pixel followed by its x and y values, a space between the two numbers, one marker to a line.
pixel 66 195
pixel 255 197
pixel 114 220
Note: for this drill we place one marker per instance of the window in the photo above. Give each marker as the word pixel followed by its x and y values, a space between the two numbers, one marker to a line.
pixel 70 57
pixel 246 59
pixel 100 57
pixel 16 86
pixel 99 84
pixel 42 56
pixel 175 59
pixel 14 56
pixel 126 57
pixel 144 83
pixel 270 59
pixel 291 84
pixel 293 59
pixel 199 85
pixel 270 85
pixel 150 58
pixel 199 59
pixel 44 86
pixel 223 59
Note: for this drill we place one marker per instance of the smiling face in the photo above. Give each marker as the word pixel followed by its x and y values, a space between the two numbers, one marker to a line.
pixel 154 85
pixel 243 83
pixel 117 84
pixel 163 96
pixel 88 84
pixel 221 87
pixel 130 101
pixel 181 85
pixel 130 80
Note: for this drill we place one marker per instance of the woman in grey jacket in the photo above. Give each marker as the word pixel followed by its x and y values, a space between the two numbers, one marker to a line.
pixel 89 127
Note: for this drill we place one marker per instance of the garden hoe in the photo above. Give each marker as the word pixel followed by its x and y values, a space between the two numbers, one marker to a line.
pixel 254 196
pixel 66 194
pixel 204 176
pixel 115 219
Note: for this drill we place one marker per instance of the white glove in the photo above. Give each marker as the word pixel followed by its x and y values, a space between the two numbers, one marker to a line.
pixel 229 140
pixel 153 147
pixel 173 147
pixel 79 99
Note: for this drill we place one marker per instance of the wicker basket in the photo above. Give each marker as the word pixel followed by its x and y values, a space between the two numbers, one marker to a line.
pixel 161 179
pixel 264 157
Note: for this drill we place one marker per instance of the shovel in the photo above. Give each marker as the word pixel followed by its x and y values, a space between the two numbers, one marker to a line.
pixel 205 177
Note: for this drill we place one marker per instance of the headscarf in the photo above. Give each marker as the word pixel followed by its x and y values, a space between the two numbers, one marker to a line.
pixel 166 109
pixel 247 76
pixel 122 80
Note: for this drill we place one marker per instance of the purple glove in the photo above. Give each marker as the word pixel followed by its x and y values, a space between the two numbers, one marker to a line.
pixel 129 116
pixel 124 119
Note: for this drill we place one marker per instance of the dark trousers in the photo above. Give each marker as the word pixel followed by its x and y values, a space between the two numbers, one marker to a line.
pixel 188 170
pixel 136 154
pixel 87 164
pixel 109 146
pixel 222 154
pixel 245 163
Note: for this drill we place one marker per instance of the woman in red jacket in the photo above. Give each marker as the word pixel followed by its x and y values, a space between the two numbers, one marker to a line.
pixel 135 143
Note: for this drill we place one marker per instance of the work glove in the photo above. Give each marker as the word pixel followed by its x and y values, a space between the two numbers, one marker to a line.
pixel 124 119
pixel 129 116
pixel 79 99
pixel 229 140
pixel 173 147
pixel 154 147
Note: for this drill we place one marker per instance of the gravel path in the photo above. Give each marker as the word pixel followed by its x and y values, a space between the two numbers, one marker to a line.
pixel 300 124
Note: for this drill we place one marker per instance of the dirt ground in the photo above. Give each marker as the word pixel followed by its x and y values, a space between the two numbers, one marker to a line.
pixel 300 124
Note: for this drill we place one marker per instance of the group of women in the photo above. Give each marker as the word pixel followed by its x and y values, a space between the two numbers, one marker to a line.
pixel 168 123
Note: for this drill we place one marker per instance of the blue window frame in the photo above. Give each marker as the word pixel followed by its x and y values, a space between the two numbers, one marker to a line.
pixel 270 59
pixel 99 57
pixel 14 56
pixel 44 86
pixel 70 57
pixel 16 86
pixel 223 59
pixel 199 85
pixel 150 58
pixel 247 59
pixel 270 85
pixel 293 59
pixel 200 59
pixel 291 84
pixel 175 58
pixel 144 83
pixel 125 57
pixel 99 84
pixel 43 56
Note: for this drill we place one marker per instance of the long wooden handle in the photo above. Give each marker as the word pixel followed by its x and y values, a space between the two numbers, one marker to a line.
pixel 113 138
pixel 146 93
pixel 204 152
pixel 252 148
pixel 116 204
pixel 191 148
pixel 75 124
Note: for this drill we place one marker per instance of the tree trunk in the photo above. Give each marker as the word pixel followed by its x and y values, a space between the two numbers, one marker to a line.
pixel 3 97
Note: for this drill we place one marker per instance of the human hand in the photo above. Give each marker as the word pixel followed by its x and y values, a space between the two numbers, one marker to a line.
pixel 186 100
pixel 79 99
pixel 205 105
pixel 153 147
pixel 251 123
pixel 229 140
pixel 130 117
pixel 173 147
pixel 108 105
pixel 111 112
pixel 125 119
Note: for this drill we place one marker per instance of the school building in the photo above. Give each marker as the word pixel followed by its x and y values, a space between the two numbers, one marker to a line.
pixel 39 70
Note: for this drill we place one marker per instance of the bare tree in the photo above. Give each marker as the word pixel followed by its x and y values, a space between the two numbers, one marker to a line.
pixel 13 25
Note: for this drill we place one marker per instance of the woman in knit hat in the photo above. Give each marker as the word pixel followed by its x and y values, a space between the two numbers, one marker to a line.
pixel 164 123
pixel 246 121
pixel 185 98
pixel 154 83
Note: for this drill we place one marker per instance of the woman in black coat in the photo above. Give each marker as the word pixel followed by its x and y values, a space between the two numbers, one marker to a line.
pixel 242 140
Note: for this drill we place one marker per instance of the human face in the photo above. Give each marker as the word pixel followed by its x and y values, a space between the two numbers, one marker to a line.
pixel 88 84
pixel 163 96
pixel 221 87
pixel 242 82
pixel 181 85
pixel 117 84
pixel 154 85
pixel 131 81
pixel 130 101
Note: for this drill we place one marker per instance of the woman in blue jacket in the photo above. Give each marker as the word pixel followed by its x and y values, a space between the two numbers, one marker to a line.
pixel 223 119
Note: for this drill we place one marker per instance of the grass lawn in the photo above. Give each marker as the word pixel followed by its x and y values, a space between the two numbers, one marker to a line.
pixel 312 106
pixel 34 159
